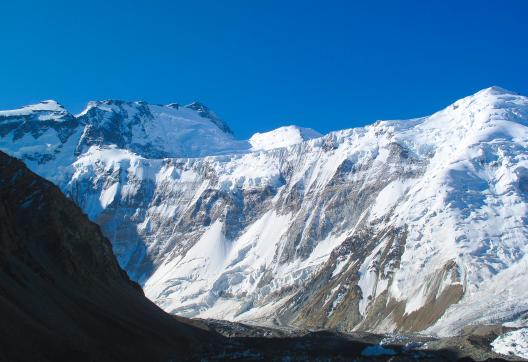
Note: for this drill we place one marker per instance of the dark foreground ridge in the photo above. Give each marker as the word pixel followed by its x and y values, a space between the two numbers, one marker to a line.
pixel 63 297
pixel 62 294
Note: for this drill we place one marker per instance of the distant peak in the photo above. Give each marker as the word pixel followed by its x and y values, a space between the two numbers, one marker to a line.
pixel 111 105
pixel 51 104
pixel 173 105
pixel 46 105
pixel 117 102
pixel 282 137
pixel 45 110
pixel 197 106
pixel 205 112
pixel 491 96
pixel 104 102
pixel 494 90
pixel 108 102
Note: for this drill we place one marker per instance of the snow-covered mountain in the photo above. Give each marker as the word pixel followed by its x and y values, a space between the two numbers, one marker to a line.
pixel 402 225
pixel 281 137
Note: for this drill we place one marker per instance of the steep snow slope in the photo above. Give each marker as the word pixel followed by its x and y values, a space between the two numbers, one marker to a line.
pixel 401 225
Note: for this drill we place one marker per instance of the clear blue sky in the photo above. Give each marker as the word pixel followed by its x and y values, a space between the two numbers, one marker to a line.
pixel 261 64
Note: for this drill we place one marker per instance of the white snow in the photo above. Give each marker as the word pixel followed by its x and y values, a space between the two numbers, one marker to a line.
pixel 46 110
pixel 368 279
pixel 388 198
pixel 213 262
pixel 281 137
pixel 513 343
pixel 108 195
pixel 341 263
pixel 183 133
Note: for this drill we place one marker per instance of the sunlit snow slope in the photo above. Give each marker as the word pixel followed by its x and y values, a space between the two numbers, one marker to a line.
pixel 402 225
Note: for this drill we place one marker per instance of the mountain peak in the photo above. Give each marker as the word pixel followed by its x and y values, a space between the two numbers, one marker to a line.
pixel 491 97
pixel 111 105
pixel 493 91
pixel 44 110
pixel 476 110
pixel 197 106
pixel 173 105
pixel 205 112
pixel 46 105
pixel 112 102
pixel 50 105
pixel 282 137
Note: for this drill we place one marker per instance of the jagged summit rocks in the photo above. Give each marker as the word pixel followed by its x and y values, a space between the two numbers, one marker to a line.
pixel 398 226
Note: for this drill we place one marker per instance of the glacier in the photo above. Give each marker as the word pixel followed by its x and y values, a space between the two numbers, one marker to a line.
pixel 413 225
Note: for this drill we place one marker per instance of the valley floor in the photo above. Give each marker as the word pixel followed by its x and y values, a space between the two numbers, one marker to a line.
pixel 250 342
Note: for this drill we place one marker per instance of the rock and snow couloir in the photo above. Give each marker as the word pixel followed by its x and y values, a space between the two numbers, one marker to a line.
pixel 402 225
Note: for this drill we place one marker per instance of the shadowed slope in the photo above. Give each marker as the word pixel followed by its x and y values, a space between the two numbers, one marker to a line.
pixel 62 293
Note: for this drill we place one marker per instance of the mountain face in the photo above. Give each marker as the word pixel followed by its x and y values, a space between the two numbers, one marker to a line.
pixel 63 295
pixel 399 226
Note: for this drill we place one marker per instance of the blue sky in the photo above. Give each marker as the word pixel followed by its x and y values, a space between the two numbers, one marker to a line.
pixel 327 65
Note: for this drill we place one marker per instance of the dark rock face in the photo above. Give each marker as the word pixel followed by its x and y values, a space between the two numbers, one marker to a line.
pixel 62 294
